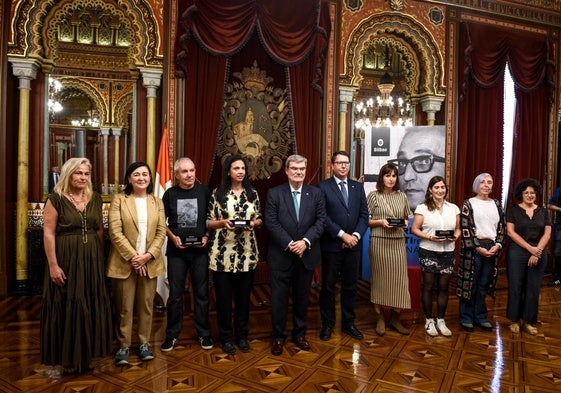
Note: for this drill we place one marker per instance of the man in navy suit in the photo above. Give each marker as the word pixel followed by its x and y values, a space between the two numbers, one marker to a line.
pixel 347 220
pixel 295 217
pixel 54 175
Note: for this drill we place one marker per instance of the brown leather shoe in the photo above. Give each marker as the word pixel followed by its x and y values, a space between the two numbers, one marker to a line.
pixel 301 343
pixel 276 346
pixel 380 326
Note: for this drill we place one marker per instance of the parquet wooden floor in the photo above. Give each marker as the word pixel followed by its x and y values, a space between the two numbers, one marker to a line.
pixel 466 362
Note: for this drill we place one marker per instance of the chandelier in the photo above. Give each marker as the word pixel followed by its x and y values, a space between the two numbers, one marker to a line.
pixel 384 110
pixel 55 87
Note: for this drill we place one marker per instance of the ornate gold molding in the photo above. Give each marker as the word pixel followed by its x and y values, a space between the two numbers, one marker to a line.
pixel 425 64
pixel 544 12
pixel 33 33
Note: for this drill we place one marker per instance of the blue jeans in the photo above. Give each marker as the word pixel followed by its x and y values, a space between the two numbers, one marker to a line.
pixel 474 310
pixel 523 285
pixel 195 262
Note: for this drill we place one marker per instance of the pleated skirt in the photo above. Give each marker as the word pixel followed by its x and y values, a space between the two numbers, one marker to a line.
pixel 389 285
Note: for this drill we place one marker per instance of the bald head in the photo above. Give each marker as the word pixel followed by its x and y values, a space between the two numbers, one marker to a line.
pixel 420 156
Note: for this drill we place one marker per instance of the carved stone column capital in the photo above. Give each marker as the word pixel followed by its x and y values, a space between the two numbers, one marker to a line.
pixel 151 80
pixel 25 70
pixel 431 105
pixel 116 131
pixel 346 94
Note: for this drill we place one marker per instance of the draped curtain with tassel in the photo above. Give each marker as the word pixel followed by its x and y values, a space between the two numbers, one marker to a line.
pixel 212 31
pixel 485 51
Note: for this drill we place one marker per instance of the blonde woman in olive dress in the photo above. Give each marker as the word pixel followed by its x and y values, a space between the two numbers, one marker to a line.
pixel 388 258
pixel 76 327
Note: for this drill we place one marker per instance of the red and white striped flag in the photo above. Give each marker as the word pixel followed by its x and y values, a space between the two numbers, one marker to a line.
pixel 162 183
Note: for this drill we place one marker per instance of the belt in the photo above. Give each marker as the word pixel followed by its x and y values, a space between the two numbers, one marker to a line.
pixel 486 241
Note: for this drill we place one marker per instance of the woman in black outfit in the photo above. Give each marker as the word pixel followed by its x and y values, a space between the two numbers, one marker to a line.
pixel 529 227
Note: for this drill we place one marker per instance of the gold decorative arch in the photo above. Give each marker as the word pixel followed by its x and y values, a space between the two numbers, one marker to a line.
pixel 122 110
pixel 65 17
pixel 33 28
pixel 425 67
pixel 92 91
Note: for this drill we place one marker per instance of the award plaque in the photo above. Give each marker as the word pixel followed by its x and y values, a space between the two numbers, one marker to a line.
pixel 240 223
pixel 192 241
pixel 445 234
pixel 396 222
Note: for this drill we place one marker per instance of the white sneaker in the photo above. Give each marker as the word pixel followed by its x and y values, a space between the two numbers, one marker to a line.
pixel 442 328
pixel 430 328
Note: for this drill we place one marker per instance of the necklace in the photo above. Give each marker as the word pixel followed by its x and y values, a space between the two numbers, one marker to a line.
pixel 75 202
pixel 83 215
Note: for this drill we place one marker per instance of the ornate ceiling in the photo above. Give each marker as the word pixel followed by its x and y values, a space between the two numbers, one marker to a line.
pixel 93 47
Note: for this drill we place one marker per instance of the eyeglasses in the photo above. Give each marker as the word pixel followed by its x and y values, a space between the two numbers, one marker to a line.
pixel 420 164
pixel 342 163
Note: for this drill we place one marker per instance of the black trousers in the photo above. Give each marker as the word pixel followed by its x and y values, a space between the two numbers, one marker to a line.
pixel 178 266
pixel 299 279
pixel 344 265
pixel 233 292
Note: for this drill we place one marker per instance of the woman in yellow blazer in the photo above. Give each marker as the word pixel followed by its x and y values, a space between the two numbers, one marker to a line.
pixel 137 228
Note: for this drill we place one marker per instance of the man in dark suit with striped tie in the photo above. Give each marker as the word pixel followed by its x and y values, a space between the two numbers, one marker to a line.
pixel 54 175
pixel 341 245
pixel 295 217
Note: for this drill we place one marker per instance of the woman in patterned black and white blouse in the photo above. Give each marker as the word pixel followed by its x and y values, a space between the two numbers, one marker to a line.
pixel 234 213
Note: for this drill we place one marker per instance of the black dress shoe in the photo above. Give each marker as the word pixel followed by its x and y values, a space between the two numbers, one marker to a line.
pixel 485 325
pixel 353 331
pixel 325 333
pixel 243 344
pixel 301 343
pixel 276 346
pixel 554 283
pixel 228 348
pixel 468 327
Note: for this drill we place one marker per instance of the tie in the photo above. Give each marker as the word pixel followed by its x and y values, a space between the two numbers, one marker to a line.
pixel 296 204
pixel 344 192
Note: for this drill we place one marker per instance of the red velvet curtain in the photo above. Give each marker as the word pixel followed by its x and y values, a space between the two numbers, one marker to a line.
pixel 204 88
pixel 529 158
pixel 485 51
pixel 221 29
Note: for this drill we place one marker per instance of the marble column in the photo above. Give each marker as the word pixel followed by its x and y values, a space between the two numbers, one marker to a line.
pixel 26 71
pixel 117 174
pixel 151 80
pixel 80 138
pixel 104 131
pixel 346 95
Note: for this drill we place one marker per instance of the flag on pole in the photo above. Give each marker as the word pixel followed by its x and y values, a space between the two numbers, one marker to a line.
pixel 163 173
pixel 162 183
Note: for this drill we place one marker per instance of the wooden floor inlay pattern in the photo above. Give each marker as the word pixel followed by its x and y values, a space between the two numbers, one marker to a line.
pixel 494 362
